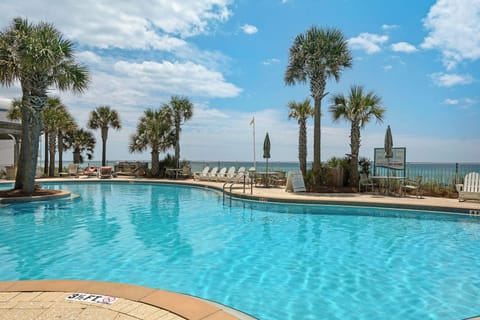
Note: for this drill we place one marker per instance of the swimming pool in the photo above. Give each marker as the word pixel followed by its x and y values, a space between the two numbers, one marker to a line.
pixel 272 261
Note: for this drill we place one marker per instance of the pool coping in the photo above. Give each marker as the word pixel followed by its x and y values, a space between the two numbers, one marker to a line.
pixel 184 306
pixel 62 194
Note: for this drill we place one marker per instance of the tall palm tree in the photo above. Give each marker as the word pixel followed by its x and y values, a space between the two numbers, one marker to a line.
pixel 181 111
pixel 154 131
pixel 55 119
pixel 103 118
pixel 301 111
pixel 359 109
pixel 315 56
pixel 39 58
pixel 67 124
pixel 81 141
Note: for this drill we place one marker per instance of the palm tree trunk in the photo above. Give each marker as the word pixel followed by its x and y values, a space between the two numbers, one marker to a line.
pixel 24 144
pixel 60 151
pixel 317 135
pixel 177 144
pixel 32 153
pixel 76 155
pixel 302 147
pixel 51 150
pixel 155 163
pixel 317 87
pixel 104 145
pixel 355 148
pixel 46 147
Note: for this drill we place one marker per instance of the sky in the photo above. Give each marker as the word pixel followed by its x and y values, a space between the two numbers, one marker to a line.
pixel 229 58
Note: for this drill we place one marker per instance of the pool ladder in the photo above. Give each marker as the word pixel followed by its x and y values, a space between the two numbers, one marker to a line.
pixel 230 187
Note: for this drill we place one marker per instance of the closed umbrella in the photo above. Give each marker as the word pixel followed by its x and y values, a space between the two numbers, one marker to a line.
pixel 388 152
pixel 266 155
pixel 388 144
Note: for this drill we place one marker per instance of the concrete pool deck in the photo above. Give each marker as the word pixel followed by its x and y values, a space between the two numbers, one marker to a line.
pixel 47 299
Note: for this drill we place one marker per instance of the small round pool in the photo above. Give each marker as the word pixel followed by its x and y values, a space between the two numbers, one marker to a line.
pixel 273 261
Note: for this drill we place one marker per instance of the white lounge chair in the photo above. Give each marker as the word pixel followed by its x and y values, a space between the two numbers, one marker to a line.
pixel 241 176
pixel 470 189
pixel 210 174
pixel 220 175
pixel 229 175
pixel 72 170
pixel 414 185
pixel 203 174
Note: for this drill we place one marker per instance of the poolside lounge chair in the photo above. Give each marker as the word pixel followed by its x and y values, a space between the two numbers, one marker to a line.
pixel 365 182
pixel 91 171
pixel 106 173
pixel 186 172
pixel 72 170
pixel 278 179
pixel 210 175
pixel 220 175
pixel 413 185
pixel 203 174
pixel 229 175
pixel 470 189
pixel 241 176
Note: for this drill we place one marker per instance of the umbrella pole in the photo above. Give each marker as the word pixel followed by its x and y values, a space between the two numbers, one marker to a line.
pixel 266 176
pixel 388 177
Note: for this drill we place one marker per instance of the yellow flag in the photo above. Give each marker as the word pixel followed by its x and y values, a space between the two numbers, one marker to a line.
pixel 252 122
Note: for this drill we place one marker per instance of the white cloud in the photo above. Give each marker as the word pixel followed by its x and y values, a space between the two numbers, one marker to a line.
pixel 450 79
pixel 371 43
pixel 470 101
pixel 403 47
pixel 450 101
pixel 463 104
pixel 249 29
pixel 454 30
pixel 154 24
pixel 271 61
pixel 387 27
pixel 177 78
pixel 387 67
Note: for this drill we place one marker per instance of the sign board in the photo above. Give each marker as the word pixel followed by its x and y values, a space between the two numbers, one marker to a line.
pixel 397 162
pixel 89 297
pixel 295 182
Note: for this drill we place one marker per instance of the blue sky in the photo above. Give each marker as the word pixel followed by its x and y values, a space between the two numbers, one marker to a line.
pixel 229 57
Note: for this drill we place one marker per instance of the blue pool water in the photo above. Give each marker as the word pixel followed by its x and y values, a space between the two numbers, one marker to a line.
pixel 272 261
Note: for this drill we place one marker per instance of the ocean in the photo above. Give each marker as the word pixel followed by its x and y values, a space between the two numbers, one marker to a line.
pixel 436 173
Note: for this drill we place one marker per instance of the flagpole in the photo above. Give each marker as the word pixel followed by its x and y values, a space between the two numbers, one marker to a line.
pixel 254 155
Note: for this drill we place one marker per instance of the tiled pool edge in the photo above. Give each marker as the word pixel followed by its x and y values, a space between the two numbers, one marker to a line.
pixel 187 307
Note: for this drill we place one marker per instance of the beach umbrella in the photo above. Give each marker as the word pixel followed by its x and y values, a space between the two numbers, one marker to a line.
pixel 388 144
pixel 388 152
pixel 266 155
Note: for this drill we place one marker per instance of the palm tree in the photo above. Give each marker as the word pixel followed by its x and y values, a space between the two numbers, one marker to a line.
pixel 55 119
pixel 359 109
pixel 67 124
pixel 39 58
pixel 154 131
pixel 102 118
pixel 301 111
pixel 80 141
pixel 316 56
pixel 181 111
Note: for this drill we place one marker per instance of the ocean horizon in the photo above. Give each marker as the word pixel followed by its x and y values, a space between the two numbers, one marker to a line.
pixel 443 173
